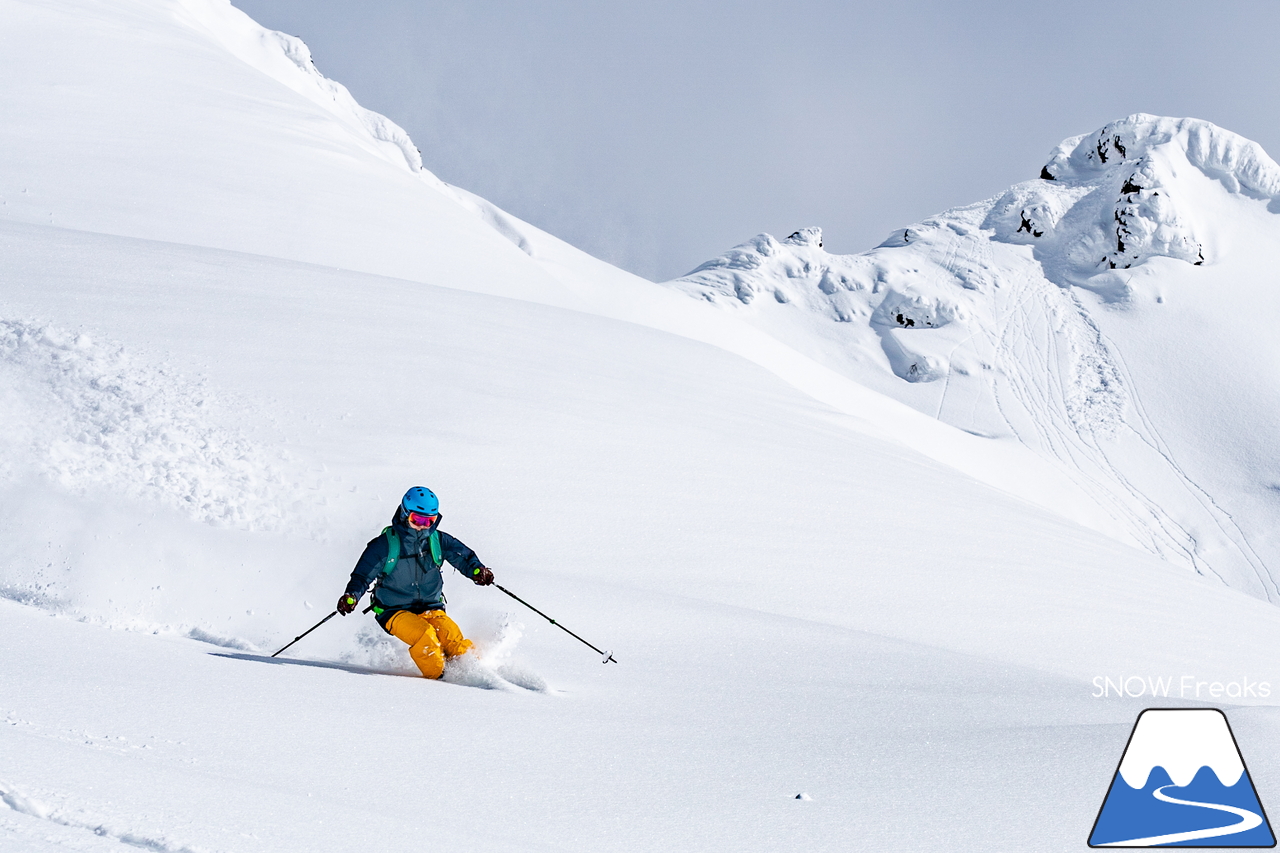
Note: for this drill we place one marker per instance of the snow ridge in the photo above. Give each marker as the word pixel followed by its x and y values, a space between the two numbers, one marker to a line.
pixel 287 59
pixel 979 317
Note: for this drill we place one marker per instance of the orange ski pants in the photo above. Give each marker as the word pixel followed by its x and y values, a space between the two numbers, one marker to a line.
pixel 432 637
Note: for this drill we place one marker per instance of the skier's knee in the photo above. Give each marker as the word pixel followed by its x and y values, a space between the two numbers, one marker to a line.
pixel 430 665
pixel 430 662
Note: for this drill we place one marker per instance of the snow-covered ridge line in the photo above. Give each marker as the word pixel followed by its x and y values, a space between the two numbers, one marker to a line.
pixel 287 59
pixel 1105 188
pixel 993 317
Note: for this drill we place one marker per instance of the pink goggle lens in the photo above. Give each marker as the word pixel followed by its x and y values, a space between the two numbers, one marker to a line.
pixel 422 520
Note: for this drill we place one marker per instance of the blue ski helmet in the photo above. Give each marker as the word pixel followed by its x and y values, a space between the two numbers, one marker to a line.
pixel 420 499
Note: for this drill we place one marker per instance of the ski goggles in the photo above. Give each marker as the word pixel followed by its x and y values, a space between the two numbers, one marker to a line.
pixel 421 520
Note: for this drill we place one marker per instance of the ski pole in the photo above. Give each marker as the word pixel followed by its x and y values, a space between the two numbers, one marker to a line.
pixel 317 625
pixel 608 656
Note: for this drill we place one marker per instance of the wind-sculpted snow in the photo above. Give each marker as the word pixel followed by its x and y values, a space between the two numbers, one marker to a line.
pixel 88 416
pixel 1111 199
pixel 287 59
pixel 1239 163
pixel 997 317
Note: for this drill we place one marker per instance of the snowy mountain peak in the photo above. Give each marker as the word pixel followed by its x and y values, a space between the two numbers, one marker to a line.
pixel 1040 315
pixel 806 237
pixel 1239 163
pixel 1116 197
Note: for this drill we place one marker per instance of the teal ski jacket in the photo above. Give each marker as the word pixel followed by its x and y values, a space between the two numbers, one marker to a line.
pixel 415 583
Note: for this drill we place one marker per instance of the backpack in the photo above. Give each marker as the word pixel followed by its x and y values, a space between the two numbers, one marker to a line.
pixel 393 556
pixel 393 550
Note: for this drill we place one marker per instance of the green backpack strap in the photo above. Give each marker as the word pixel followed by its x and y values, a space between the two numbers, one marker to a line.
pixel 393 557
pixel 436 556
pixel 393 550
pixel 388 565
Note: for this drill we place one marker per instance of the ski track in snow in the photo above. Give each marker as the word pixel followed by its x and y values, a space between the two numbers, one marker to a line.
pixel 978 256
pixel 1221 518
pixel 1077 450
pixel 67 816
pixel 1081 448
pixel 1026 316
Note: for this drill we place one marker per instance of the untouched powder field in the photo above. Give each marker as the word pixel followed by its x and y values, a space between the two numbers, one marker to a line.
pixel 237 328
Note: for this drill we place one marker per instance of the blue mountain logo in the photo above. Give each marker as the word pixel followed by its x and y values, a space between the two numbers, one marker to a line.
pixel 1182 783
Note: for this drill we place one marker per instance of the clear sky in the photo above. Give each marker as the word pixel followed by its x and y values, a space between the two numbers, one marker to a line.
pixel 657 134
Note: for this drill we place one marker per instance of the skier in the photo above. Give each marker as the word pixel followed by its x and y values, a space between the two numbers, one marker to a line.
pixel 408 598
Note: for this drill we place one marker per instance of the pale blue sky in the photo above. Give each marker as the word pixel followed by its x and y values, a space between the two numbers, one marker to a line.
pixel 656 135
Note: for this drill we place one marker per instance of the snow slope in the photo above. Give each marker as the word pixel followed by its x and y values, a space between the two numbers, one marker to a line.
pixel 290 165
pixel 1102 316
pixel 209 130
pixel 249 327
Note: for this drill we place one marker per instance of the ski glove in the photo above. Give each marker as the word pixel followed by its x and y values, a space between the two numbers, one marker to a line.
pixel 346 604
pixel 483 577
